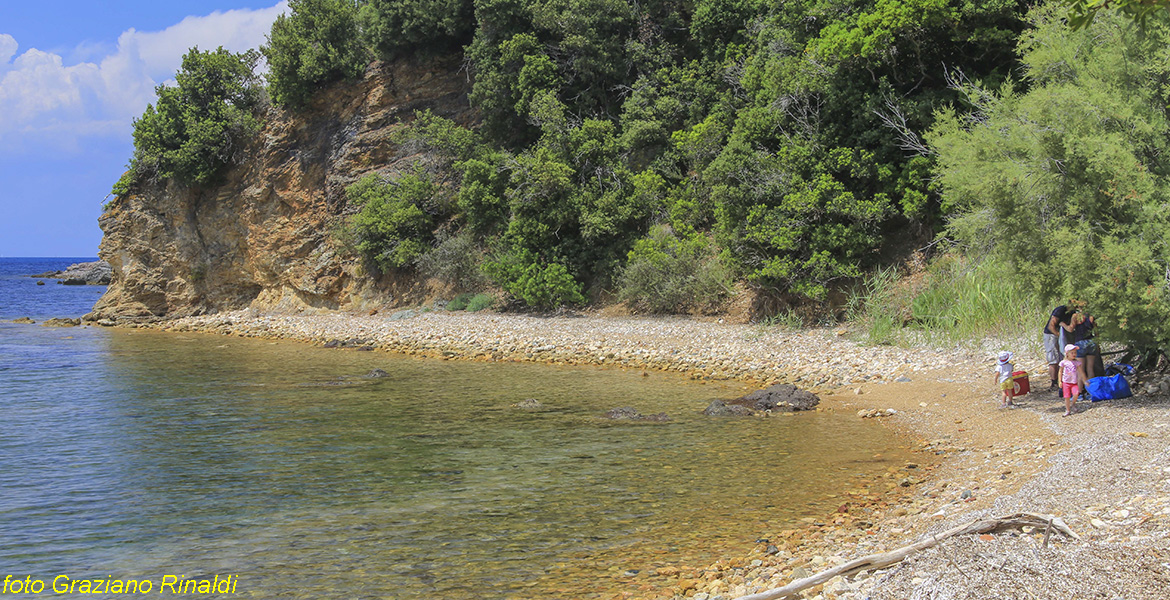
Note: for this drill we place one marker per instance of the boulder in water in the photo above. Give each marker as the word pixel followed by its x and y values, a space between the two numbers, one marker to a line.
pixel 779 397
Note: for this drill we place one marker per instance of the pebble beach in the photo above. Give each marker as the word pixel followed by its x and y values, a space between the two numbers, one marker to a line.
pixel 1104 471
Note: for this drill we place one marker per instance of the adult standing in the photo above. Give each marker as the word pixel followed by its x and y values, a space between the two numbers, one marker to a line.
pixel 1080 334
pixel 1054 340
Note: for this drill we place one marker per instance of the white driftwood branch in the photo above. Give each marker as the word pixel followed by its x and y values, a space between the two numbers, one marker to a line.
pixel 885 559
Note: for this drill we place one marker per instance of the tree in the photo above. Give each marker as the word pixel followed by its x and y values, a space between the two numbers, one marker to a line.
pixel 1067 180
pixel 1082 12
pixel 394 27
pixel 317 43
pixel 201 124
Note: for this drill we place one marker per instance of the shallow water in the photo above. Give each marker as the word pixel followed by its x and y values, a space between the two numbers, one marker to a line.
pixel 134 455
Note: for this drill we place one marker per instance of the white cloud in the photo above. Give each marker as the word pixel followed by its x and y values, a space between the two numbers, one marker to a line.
pixel 8 47
pixel 48 105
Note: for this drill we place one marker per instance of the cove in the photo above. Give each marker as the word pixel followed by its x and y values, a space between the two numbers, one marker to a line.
pixel 150 454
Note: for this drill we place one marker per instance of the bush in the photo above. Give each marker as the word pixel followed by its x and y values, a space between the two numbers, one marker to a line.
pixel 393 227
pixel 539 284
pixel 667 274
pixel 396 27
pixel 199 126
pixel 459 302
pixel 455 260
pixel 480 302
pixel 317 43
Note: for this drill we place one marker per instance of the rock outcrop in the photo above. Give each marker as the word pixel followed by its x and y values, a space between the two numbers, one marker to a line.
pixel 264 237
pixel 777 398
pixel 87 273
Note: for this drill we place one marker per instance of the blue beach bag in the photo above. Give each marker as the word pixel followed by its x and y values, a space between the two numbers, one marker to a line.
pixel 1108 388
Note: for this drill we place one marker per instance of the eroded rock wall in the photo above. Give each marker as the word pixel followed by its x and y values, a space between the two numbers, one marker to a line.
pixel 264 237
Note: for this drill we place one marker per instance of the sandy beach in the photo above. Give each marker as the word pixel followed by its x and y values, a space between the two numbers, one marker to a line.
pixel 1105 471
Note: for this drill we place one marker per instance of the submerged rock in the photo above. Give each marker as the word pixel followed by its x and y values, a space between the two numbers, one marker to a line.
pixel 528 403
pixel 61 323
pixel 626 413
pixel 719 408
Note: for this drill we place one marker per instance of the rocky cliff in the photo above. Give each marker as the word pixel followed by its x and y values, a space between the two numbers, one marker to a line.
pixel 263 238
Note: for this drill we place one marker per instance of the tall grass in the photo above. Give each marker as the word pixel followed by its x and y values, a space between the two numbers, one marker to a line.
pixel 956 300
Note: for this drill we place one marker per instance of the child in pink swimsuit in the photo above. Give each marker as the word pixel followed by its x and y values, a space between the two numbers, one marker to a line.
pixel 1072 377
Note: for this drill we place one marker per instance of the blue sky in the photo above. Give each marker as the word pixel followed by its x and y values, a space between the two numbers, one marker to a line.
pixel 73 76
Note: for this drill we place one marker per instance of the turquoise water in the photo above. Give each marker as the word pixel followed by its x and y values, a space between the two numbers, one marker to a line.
pixel 129 454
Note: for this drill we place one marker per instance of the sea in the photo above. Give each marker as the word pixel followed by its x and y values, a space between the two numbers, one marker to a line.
pixel 144 463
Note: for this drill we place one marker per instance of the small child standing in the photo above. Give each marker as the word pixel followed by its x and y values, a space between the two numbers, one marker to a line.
pixel 1003 377
pixel 1072 378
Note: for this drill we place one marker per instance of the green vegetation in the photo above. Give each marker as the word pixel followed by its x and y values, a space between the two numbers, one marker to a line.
pixel 1082 12
pixel 200 125
pixel 396 218
pixel 394 27
pixel 480 302
pixel 956 300
pixel 666 274
pixel 1065 180
pixel 664 153
pixel 470 302
pixel 776 146
pixel 317 43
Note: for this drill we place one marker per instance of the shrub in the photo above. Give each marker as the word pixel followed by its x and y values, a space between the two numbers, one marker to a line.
pixel 667 274
pixel 393 227
pixel 1061 180
pixel 539 284
pixel 459 302
pixel 317 43
pixel 455 260
pixel 480 302
pixel 200 125
pixel 396 27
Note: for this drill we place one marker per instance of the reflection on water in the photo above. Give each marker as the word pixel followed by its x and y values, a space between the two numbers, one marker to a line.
pixel 140 454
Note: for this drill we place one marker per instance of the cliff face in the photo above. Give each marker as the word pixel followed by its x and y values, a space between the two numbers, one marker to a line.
pixel 263 238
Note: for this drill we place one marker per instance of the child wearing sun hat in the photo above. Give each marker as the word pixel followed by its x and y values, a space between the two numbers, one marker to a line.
pixel 1003 377
pixel 1072 377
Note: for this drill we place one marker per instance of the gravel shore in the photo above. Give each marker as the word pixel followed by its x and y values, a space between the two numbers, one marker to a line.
pixel 1104 471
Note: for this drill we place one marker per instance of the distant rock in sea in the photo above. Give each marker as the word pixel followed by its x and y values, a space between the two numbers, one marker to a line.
pixel 90 273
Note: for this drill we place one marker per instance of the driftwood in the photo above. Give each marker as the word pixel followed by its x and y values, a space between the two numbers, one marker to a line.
pixel 885 559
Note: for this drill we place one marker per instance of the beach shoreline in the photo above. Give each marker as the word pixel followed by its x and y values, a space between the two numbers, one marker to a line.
pixel 983 460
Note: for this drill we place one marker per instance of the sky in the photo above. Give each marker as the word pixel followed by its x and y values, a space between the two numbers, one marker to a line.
pixel 73 77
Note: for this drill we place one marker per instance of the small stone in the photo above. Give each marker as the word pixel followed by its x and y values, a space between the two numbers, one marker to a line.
pixel 1098 523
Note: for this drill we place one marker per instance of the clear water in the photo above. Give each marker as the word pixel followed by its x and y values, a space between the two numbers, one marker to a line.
pixel 20 296
pixel 134 455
